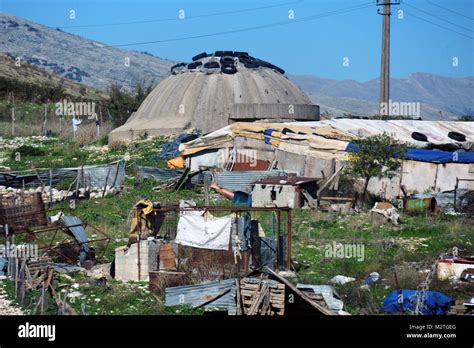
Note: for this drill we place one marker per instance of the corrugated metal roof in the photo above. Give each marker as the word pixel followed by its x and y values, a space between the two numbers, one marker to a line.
pixel 74 224
pixel 196 295
pixel 242 181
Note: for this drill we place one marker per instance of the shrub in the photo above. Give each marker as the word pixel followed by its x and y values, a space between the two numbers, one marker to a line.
pixel 27 150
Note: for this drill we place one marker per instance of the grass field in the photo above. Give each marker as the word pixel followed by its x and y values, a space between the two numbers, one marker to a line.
pixel 409 250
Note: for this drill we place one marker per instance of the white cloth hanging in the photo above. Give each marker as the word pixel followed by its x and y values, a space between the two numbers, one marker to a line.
pixel 204 232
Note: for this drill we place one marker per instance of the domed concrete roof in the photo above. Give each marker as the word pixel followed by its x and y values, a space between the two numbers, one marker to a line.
pixel 212 92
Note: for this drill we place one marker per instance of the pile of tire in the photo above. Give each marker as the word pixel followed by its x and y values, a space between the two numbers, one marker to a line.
pixel 228 64
pixel 177 68
pixel 224 61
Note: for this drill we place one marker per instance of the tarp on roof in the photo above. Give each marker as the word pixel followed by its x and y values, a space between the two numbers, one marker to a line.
pixel 436 156
pixel 432 156
pixel 332 136
pixel 401 130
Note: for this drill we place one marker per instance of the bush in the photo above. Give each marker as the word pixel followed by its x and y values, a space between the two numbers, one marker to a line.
pixel 117 145
pixel 104 140
pixel 27 151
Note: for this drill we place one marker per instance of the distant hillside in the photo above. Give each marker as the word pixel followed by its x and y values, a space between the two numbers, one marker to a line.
pixel 33 84
pixel 453 96
pixel 77 58
pixel 94 64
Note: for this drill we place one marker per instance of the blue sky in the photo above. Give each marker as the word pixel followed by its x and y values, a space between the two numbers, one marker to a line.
pixel 317 47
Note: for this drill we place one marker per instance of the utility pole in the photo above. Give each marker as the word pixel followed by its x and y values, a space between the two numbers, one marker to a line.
pixel 385 64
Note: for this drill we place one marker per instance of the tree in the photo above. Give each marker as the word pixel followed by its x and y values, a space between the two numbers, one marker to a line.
pixel 122 104
pixel 377 156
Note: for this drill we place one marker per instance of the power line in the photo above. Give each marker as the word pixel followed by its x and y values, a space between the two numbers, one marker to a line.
pixel 271 25
pixel 440 26
pixel 215 14
pixel 440 18
pixel 448 9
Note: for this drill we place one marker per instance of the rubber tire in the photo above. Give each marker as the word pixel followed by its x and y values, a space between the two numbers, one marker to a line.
pixel 240 54
pixel 223 53
pixel 194 65
pixel 212 65
pixel 419 136
pixel 228 69
pixel 177 66
pixel 227 60
pixel 276 68
pixel 200 56
pixel 252 65
pixel 457 136
pixel 244 60
pixel 264 63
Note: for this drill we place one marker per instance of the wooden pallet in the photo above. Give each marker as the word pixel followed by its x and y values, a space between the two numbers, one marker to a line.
pixel 262 297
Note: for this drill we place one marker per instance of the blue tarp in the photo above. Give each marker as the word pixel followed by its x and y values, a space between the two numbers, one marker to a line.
pixel 171 149
pixel 434 156
pixel 437 156
pixel 3 265
pixel 269 132
pixel 436 303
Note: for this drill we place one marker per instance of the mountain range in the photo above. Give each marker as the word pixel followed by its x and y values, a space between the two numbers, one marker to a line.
pixel 98 65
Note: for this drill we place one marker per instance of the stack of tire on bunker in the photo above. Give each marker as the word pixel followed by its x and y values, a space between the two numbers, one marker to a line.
pixel 227 62
pixel 215 90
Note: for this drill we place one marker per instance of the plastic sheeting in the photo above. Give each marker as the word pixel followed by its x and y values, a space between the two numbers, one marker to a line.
pixel 401 130
pixel 204 232
pixel 159 174
pixel 30 178
pixel 3 265
pixel 437 156
pixel 111 174
pixel 170 149
pixel 268 252
pixel 96 176
pixel 432 156
pixel 330 296
pixel 325 135
pixel 436 303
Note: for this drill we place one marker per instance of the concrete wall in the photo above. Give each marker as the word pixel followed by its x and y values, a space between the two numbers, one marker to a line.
pixel 286 196
pixel 126 260
pixel 300 112
pixel 420 177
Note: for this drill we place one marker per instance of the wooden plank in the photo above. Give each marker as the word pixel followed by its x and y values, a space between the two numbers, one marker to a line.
pixel 258 301
pixel 239 299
